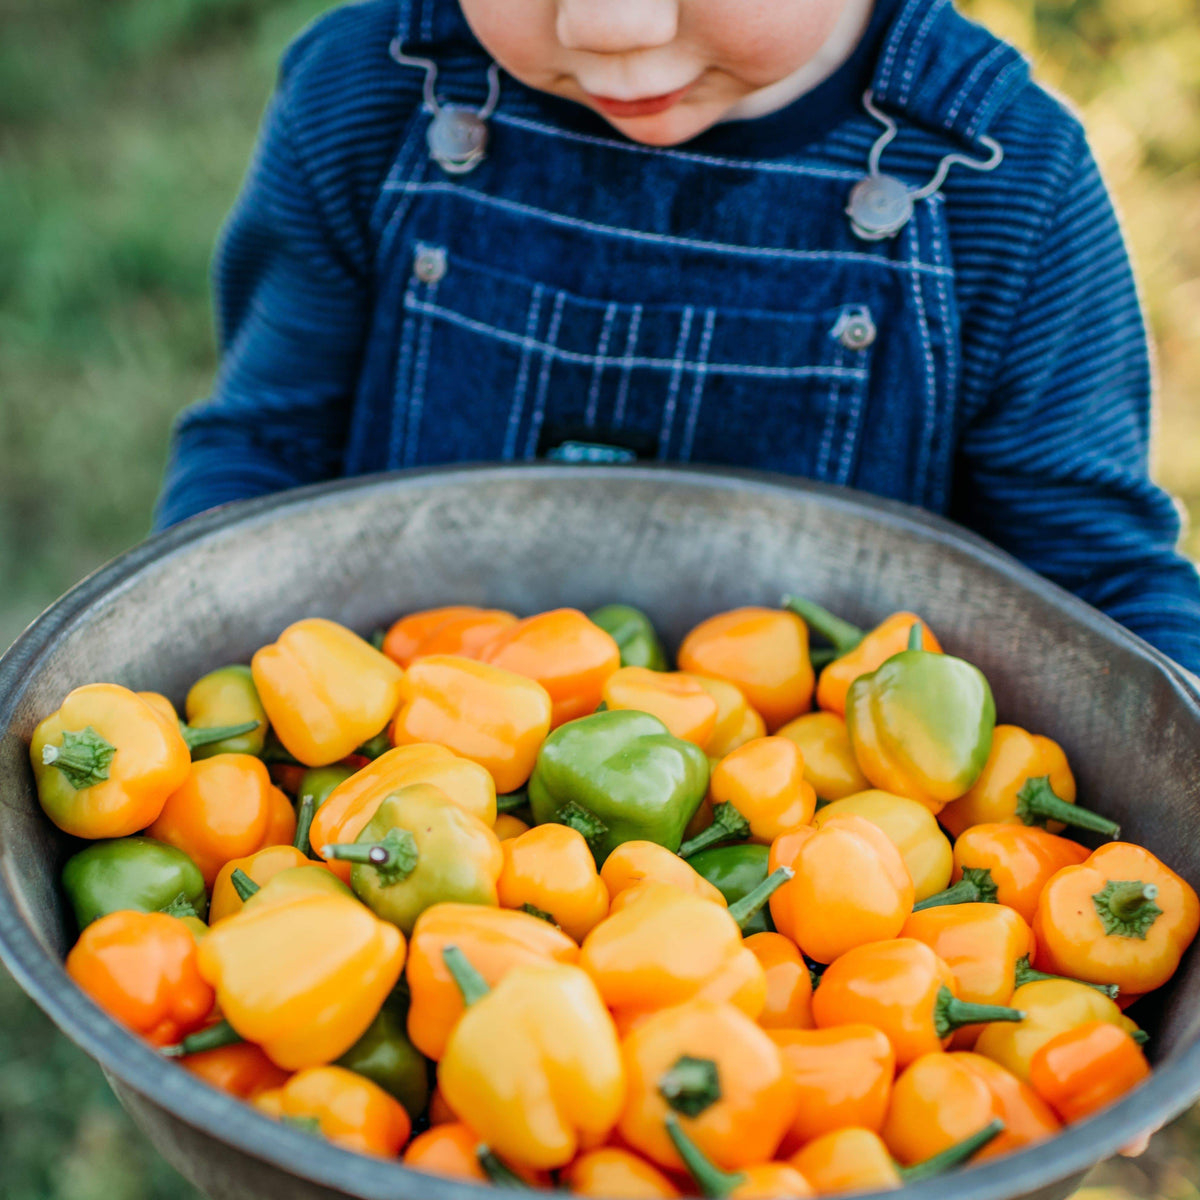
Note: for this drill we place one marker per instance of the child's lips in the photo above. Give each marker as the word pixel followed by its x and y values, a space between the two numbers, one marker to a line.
pixel 647 106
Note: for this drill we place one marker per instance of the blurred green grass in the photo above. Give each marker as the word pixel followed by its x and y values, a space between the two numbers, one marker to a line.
pixel 125 126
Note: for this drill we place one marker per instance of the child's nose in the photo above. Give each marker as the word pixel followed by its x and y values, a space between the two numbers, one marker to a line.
pixel 617 26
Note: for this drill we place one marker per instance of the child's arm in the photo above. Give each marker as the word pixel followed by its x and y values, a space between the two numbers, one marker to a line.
pixel 1055 467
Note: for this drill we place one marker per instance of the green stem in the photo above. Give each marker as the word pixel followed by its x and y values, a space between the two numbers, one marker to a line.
pixel 916 636
pixel 1126 907
pixel 950 1013
pixel 712 1181
pixel 471 984
pixel 954 1155
pixel 975 887
pixel 691 1085
pixel 378 637
pixel 1025 973
pixel 304 820
pixel 540 913
pixel 394 856
pixel 511 801
pixel 196 736
pixel 822 656
pixel 374 747
pixel 243 884
pixel 843 636
pixel 498 1172
pixel 742 910
pixel 728 824
pixel 181 906
pixel 83 756
pixel 1037 803
pixel 212 1038
pixel 576 817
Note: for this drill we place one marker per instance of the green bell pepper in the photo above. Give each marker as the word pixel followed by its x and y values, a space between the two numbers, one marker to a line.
pixel 226 697
pixel 631 629
pixel 386 1057
pixel 618 777
pixel 418 850
pixel 319 782
pixel 735 871
pixel 135 873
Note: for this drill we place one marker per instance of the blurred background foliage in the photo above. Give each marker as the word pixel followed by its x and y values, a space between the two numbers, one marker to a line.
pixel 125 126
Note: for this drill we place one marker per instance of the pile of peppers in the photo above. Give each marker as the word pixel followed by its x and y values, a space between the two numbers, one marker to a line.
pixel 514 902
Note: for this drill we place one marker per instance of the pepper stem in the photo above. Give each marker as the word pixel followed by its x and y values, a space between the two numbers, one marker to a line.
pixel 471 984
pixel 394 856
pixel 82 756
pixel 243 884
pixel 511 801
pixel 691 1085
pixel 975 887
pixel 822 656
pixel 1037 803
pixel 955 1155
pixel 540 913
pixel 212 1038
pixel 742 910
pixel 374 747
pixel 916 636
pixel 181 906
pixel 196 736
pixel 950 1013
pixel 497 1170
pixel 1025 973
pixel 1126 907
pixel 576 817
pixel 304 820
pixel 712 1181
pixel 843 636
pixel 727 825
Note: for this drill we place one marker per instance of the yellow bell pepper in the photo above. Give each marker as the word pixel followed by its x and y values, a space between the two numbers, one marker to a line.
pixel 736 724
pixel 325 690
pixel 829 762
pixel 534 1066
pixel 507 826
pixel 679 701
pixel 634 863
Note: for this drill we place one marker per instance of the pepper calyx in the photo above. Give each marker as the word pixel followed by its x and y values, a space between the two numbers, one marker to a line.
pixel 181 906
pixel 394 857
pixel 950 1013
pixel 975 887
pixel 83 756
pixel 727 825
pixel 1038 803
pixel 1126 907
pixel 691 1085
pixel 583 821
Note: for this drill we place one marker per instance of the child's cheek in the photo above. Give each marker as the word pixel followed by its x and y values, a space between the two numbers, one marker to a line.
pixel 520 35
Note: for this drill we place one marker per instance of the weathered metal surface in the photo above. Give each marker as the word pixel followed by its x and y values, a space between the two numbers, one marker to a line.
pixel 679 543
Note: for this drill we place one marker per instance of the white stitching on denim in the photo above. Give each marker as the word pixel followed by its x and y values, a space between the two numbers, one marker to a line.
pixel 409 146
pixel 689 429
pixel 914 49
pixel 927 432
pixel 668 421
pixel 767 166
pixel 850 434
pixel 400 211
pixel 944 432
pixel 416 395
pixel 553 218
pixel 528 344
pixel 629 361
pixel 971 80
pixel 427 21
pixel 826 446
pixel 894 42
pixel 397 427
pixel 999 84
pixel 593 400
pixel 631 337
pixel 539 404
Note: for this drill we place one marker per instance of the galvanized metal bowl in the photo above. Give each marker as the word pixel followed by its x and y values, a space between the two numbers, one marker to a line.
pixel 681 544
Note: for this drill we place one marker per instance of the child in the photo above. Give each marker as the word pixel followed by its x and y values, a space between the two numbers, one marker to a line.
pixel 847 241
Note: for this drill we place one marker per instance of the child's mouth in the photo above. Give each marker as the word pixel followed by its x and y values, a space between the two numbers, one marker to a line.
pixel 647 106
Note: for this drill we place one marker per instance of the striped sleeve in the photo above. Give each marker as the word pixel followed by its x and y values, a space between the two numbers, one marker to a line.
pixel 1054 468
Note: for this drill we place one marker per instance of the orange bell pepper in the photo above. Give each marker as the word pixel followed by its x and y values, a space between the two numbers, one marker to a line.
pixel 660 946
pixel 225 808
pixel 457 629
pixel 829 762
pixel 678 700
pixel 789 985
pixel 564 652
pixel 736 724
pixel 494 940
pixel 507 826
pixel 326 691
pixel 493 717
pixel 446 1149
pixel 723 1076
pixel 763 651
pixel 1028 780
pixel 859 652
pixel 440 1113
pixel 1086 1069
pixel 634 863
pixel 982 944
pixel 615 1174
pixel 241 1069
pixel 1015 860
pixel 902 988
pixel 345 1108
pixel 762 1181
pixel 1121 917
pixel 843 1077
pixel 1027 1118
pixel 141 968
pixel 533 1065
pixel 106 762
pixel 353 803
pixel 551 870
pixel 850 887
pixel 302 972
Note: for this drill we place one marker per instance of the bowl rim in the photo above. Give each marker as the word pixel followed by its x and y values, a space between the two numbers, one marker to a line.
pixel 1172 1087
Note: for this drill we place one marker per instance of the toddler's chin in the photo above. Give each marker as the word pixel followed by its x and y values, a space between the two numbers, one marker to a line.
pixel 670 128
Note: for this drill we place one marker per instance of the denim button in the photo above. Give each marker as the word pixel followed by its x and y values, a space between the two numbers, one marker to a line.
pixel 429 265
pixel 879 207
pixel 457 139
pixel 855 329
